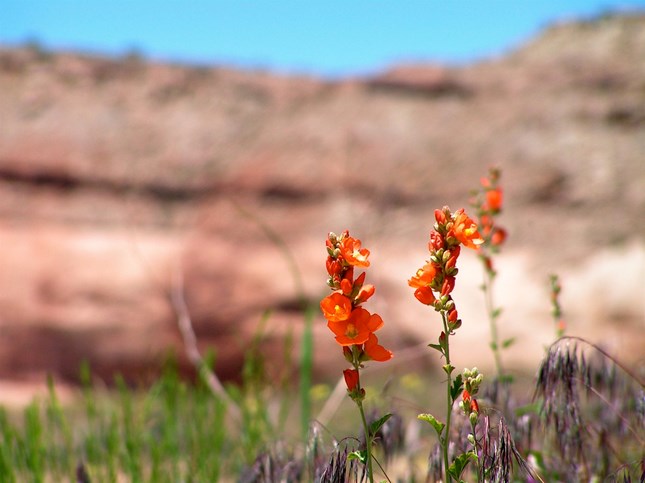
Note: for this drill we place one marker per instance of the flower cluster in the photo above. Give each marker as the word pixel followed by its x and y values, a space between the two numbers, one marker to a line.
pixel 434 282
pixel 352 325
pixel 488 203
pixel 472 379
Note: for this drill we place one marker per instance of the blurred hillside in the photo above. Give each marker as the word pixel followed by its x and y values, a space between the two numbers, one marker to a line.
pixel 115 173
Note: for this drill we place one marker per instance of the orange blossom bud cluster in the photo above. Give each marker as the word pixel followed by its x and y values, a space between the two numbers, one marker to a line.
pixel 434 282
pixel 488 203
pixel 353 326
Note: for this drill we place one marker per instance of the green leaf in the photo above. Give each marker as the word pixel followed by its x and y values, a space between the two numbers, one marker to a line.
pixel 459 464
pixel 436 347
pixel 448 368
pixel 508 342
pixel 496 313
pixel 457 387
pixel 438 426
pixel 358 455
pixel 376 425
pixel 493 345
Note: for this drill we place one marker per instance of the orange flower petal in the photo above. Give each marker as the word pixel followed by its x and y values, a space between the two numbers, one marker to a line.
pixel 465 230
pixel 425 295
pixel 365 293
pixel 374 323
pixel 336 307
pixel 375 351
pixel 353 254
pixel 354 330
pixel 423 277
pixel 494 199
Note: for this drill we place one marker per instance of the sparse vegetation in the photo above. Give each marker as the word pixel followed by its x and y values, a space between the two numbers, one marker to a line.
pixel 585 421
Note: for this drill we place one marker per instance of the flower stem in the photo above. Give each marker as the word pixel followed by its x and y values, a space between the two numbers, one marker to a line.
pixel 368 442
pixel 487 287
pixel 473 427
pixel 446 439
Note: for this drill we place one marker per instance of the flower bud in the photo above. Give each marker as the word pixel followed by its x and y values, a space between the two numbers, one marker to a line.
pixel 448 285
pixel 436 241
pixel 346 287
pixel 440 216
pixel 474 416
pixel 452 315
pixel 474 406
pixel 498 237
pixel 450 264
pixel 471 439
pixel 351 379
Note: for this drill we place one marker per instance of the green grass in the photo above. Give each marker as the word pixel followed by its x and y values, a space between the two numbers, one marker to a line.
pixel 175 431
pixel 170 432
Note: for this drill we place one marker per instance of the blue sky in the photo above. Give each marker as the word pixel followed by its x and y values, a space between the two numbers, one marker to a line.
pixel 330 38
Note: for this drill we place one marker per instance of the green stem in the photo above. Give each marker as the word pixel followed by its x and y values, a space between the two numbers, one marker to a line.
pixel 473 427
pixel 368 441
pixel 446 439
pixel 490 310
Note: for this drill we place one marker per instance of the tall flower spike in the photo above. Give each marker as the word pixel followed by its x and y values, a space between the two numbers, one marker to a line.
pixel 352 325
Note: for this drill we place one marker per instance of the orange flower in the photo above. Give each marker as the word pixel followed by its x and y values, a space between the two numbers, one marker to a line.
pixel 351 378
pixel 353 254
pixel 465 230
pixel 365 293
pixel 423 277
pixel 357 328
pixel 498 237
pixel 494 199
pixel 336 307
pixel 425 295
pixel 375 351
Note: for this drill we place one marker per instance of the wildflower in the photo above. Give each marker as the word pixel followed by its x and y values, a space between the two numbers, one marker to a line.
pixel 451 230
pixel 494 199
pixel 352 325
pixel 336 307
pixel 423 277
pixel 465 230
pixel 351 379
pixel 498 236
pixel 353 254
pixel 357 328
pixel 488 203
pixel 438 275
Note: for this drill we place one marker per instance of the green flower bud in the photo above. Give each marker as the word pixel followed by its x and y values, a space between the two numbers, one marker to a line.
pixel 474 416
